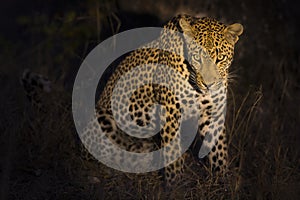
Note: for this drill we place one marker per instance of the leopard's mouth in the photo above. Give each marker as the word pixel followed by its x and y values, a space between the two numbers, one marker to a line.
pixel 211 85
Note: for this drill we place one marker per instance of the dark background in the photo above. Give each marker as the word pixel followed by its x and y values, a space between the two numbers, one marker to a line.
pixel 39 158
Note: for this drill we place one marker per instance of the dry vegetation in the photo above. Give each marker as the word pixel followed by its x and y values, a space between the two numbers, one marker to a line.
pixel 39 153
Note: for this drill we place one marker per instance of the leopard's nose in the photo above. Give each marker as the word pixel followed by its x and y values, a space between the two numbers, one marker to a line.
pixel 214 85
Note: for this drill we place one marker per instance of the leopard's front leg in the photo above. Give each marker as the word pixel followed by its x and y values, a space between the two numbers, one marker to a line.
pixel 212 129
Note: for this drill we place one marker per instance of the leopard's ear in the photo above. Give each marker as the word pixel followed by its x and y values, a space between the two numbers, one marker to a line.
pixel 186 28
pixel 232 32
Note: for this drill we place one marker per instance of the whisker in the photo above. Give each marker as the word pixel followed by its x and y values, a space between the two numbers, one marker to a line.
pixel 233 75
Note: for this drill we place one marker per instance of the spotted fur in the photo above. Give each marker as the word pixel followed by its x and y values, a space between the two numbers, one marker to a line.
pixel 217 40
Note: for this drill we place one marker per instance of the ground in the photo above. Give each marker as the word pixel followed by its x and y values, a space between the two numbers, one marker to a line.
pixel 38 154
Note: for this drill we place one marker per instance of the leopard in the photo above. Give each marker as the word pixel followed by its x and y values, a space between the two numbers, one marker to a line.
pixel 185 71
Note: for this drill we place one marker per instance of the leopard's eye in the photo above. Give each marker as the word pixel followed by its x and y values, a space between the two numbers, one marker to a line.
pixel 196 57
pixel 221 57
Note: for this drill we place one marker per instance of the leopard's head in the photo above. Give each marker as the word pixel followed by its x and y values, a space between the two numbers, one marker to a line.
pixel 210 47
